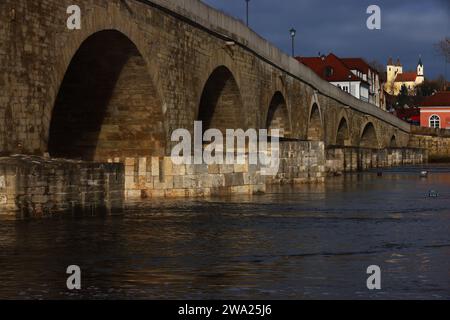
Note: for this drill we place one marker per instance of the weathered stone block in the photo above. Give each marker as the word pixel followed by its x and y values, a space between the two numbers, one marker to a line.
pixel 234 179
pixel 175 193
pixel 167 183
pixel 130 162
pixel 226 168
pixel 179 170
pixel 155 166
pixel 241 189
pixel 214 169
pixel 133 194
pixel 167 167
pixel 190 169
pixel 238 168
pixel 142 169
pixel 2 182
pixel 200 169
pixel 185 182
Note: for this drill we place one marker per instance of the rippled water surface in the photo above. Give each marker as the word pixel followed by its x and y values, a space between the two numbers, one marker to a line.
pixel 307 242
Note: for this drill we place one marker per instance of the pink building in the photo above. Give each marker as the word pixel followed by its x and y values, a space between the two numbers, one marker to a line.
pixel 435 111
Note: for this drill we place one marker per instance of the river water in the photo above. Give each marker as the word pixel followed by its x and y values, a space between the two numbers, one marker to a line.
pixel 304 242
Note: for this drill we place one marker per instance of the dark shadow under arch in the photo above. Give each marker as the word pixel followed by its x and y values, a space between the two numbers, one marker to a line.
pixel 369 137
pixel 278 116
pixel 393 142
pixel 315 128
pixel 343 133
pixel 221 104
pixel 107 105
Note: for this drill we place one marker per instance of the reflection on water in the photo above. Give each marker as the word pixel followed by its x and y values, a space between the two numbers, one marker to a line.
pixel 300 242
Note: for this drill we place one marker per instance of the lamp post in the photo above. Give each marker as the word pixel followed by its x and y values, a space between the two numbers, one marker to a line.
pixel 293 33
pixel 247 1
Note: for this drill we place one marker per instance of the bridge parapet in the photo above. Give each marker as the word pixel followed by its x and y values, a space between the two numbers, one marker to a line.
pixel 434 132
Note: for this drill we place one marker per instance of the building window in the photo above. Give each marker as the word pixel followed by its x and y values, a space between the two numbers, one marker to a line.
pixel 435 121
pixel 328 71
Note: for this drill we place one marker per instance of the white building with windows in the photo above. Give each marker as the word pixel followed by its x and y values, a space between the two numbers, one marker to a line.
pixel 358 89
pixel 375 92
pixel 352 75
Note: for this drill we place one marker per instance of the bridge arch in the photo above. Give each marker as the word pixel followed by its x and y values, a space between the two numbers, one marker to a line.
pixel 221 104
pixel 369 137
pixel 107 104
pixel 278 115
pixel 393 142
pixel 315 123
pixel 343 137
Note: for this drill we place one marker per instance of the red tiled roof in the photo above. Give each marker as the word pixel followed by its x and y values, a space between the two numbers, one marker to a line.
pixel 407 113
pixel 406 77
pixel 357 63
pixel 439 99
pixel 319 64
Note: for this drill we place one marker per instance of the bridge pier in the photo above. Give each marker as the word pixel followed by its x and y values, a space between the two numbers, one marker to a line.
pixel 35 186
pixel 352 159
pixel 147 177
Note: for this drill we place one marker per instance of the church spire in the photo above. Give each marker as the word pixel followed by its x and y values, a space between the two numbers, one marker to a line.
pixel 420 67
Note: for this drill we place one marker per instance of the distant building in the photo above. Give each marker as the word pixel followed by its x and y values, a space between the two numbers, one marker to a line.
pixel 396 78
pixel 435 111
pixel 363 70
pixel 352 75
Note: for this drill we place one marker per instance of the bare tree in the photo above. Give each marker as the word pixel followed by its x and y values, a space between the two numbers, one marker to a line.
pixel 376 65
pixel 443 48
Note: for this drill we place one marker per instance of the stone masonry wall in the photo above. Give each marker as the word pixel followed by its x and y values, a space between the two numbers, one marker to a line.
pixel 34 186
pixel 435 141
pixel 351 159
pixel 159 177
pixel 300 162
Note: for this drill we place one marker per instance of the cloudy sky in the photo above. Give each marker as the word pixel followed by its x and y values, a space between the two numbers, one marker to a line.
pixel 409 28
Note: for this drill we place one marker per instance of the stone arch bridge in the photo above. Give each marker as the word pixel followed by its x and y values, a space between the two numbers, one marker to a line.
pixel 137 70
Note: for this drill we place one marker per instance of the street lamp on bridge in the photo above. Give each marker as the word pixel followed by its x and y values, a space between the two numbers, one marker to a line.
pixel 247 1
pixel 293 32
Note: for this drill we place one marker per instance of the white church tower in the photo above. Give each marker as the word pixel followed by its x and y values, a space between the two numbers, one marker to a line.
pixel 420 72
